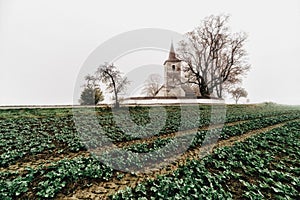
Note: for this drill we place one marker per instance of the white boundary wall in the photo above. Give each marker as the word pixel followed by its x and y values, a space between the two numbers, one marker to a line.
pixel 170 101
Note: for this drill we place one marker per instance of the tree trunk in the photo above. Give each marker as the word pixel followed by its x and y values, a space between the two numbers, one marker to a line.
pixel 203 88
pixel 220 91
pixel 117 104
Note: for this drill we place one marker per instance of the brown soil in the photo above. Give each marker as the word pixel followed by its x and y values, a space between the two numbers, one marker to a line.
pixel 177 134
pixel 42 159
pixel 101 190
pixel 47 158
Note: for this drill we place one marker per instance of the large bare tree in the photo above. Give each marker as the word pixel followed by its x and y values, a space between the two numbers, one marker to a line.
pixel 152 85
pixel 213 56
pixel 111 76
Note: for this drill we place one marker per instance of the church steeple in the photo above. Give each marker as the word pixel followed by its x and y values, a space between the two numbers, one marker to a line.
pixel 173 81
pixel 172 55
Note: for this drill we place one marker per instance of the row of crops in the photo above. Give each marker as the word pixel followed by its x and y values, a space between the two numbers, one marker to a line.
pixel 263 167
pixel 30 132
pixel 67 175
pixel 166 148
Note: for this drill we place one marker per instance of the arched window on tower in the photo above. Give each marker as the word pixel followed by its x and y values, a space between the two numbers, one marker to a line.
pixel 173 67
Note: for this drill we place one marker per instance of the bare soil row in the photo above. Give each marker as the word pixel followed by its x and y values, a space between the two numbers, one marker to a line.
pixel 46 158
pixel 102 190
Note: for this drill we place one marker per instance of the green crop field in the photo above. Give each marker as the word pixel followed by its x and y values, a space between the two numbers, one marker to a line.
pixel 252 152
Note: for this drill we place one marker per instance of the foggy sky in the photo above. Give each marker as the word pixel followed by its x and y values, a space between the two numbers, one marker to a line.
pixel 43 44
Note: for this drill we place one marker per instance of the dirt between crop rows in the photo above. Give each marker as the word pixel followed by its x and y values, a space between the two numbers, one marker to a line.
pixel 46 159
pixel 169 135
pixel 41 159
pixel 103 190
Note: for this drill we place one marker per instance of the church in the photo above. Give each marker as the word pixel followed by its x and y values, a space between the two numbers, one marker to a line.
pixel 174 85
pixel 174 89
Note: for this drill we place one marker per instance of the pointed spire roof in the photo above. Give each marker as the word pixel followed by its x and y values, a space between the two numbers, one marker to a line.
pixel 172 55
pixel 172 47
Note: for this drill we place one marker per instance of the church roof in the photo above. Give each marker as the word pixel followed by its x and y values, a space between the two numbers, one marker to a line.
pixel 172 55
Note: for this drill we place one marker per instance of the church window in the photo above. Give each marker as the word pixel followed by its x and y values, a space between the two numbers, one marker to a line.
pixel 173 67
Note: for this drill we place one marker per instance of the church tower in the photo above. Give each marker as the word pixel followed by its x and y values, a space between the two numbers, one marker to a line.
pixel 172 72
pixel 173 81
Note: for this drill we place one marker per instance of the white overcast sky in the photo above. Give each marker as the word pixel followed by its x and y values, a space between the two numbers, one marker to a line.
pixel 43 43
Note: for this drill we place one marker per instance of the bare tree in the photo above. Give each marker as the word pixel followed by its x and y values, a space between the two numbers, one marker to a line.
pixel 213 56
pixel 238 93
pixel 91 81
pixel 152 85
pixel 111 76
